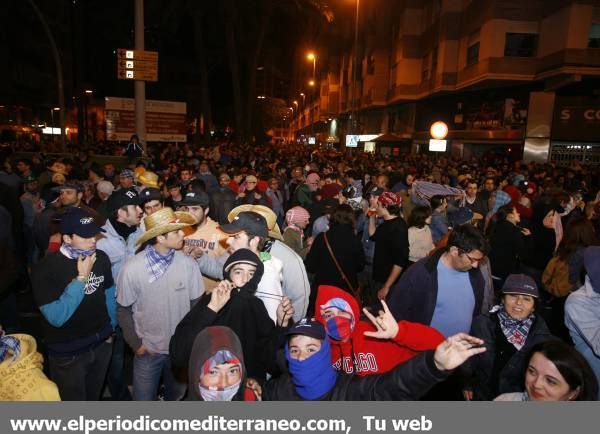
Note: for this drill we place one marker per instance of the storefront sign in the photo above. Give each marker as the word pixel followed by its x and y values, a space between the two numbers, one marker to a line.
pixel 165 120
pixel 576 118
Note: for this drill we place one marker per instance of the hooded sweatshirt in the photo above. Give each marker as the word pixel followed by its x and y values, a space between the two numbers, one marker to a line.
pixel 365 355
pixel 23 379
pixel 244 313
pixel 208 342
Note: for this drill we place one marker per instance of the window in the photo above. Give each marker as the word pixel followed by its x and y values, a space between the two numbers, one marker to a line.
pixel 473 54
pixel 594 38
pixel 520 44
pixel 473 48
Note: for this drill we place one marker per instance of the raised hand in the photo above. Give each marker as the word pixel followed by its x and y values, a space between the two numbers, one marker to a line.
pixel 85 265
pixel 285 312
pixel 220 295
pixel 386 324
pixel 455 350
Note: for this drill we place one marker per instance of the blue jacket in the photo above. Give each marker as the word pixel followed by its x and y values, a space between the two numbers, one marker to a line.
pixel 414 296
pixel 116 248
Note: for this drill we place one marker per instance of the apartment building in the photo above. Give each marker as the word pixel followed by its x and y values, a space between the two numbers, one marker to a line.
pixel 519 76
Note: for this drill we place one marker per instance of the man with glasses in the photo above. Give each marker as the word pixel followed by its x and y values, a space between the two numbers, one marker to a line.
pixel 445 290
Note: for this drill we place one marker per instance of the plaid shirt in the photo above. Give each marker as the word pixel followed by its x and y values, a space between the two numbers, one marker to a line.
pixel 157 264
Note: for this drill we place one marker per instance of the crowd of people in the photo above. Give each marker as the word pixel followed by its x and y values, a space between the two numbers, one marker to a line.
pixel 283 272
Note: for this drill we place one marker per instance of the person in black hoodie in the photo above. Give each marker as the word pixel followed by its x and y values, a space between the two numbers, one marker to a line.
pixel 233 303
pixel 216 370
pixel 510 244
pixel 312 377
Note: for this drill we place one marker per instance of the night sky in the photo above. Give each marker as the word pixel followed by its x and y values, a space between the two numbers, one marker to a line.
pixel 88 32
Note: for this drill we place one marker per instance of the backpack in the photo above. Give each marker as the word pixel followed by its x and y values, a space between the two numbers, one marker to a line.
pixel 556 277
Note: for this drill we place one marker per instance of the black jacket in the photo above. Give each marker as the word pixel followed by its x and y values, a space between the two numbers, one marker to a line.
pixel 479 371
pixel 508 248
pixel 414 296
pixel 406 382
pixel 246 315
pixel 348 252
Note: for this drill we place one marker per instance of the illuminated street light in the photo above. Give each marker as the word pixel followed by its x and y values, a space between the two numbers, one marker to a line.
pixel 89 91
pixel 439 130
pixel 311 83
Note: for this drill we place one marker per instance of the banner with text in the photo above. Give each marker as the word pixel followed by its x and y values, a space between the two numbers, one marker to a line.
pixel 165 120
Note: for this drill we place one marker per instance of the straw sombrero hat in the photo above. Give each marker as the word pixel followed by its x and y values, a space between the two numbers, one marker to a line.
pixel 164 221
pixel 264 211
pixel 148 179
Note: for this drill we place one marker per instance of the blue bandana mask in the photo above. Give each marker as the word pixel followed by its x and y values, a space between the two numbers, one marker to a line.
pixel 73 253
pixel 315 376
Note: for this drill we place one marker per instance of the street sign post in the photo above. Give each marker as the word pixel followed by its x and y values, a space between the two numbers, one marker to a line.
pixel 137 65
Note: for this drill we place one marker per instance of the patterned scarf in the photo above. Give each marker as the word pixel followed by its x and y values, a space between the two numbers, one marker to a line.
pixel 157 264
pixel 73 253
pixel 9 343
pixel 516 331
pixel 426 190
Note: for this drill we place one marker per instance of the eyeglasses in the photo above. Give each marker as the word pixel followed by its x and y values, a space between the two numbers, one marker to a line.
pixel 472 260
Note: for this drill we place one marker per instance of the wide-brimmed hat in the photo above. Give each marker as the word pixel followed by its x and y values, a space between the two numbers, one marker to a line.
pixel 148 179
pixel 163 221
pixel 265 211
pixel 58 167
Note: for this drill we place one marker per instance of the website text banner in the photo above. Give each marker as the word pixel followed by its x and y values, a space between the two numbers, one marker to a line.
pixel 165 120
pixel 290 417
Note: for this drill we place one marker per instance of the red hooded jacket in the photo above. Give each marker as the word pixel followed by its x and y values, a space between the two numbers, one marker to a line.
pixel 513 192
pixel 371 355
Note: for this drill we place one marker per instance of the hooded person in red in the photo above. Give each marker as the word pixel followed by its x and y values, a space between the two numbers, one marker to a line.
pixel 515 196
pixel 369 347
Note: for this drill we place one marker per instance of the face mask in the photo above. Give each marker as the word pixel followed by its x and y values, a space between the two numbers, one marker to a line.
pixel 214 394
pixel 339 327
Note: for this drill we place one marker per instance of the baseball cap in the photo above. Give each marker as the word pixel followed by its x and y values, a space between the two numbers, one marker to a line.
pixel 127 173
pixel 196 198
pixel 251 178
pixel 308 327
pixel 79 222
pixel 520 284
pixel 122 197
pixel 148 194
pixel 248 221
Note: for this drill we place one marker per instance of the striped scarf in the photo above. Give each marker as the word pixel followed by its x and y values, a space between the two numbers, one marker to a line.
pixel 426 190
pixel 157 264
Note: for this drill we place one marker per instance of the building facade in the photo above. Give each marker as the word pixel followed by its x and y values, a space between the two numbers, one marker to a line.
pixel 516 76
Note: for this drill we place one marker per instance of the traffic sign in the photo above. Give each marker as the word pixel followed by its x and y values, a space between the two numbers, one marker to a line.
pixel 137 65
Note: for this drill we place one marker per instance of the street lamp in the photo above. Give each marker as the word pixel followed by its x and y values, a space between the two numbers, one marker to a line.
pixel 303 98
pixel 88 93
pixel 312 56
pixel 311 83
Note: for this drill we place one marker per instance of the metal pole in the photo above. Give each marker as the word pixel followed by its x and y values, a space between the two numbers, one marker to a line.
pixel 139 85
pixel 59 76
pixel 354 72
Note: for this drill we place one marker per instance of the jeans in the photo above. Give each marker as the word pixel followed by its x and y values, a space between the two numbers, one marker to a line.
pixel 115 379
pixel 80 377
pixel 147 371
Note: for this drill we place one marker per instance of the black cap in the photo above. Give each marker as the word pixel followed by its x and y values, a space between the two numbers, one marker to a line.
pixel 196 198
pixel 122 197
pixel 308 327
pixel 70 185
pixel 148 194
pixel 79 222
pixel 247 221
pixel 520 284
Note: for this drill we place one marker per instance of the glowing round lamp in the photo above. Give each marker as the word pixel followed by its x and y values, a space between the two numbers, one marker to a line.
pixel 439 130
